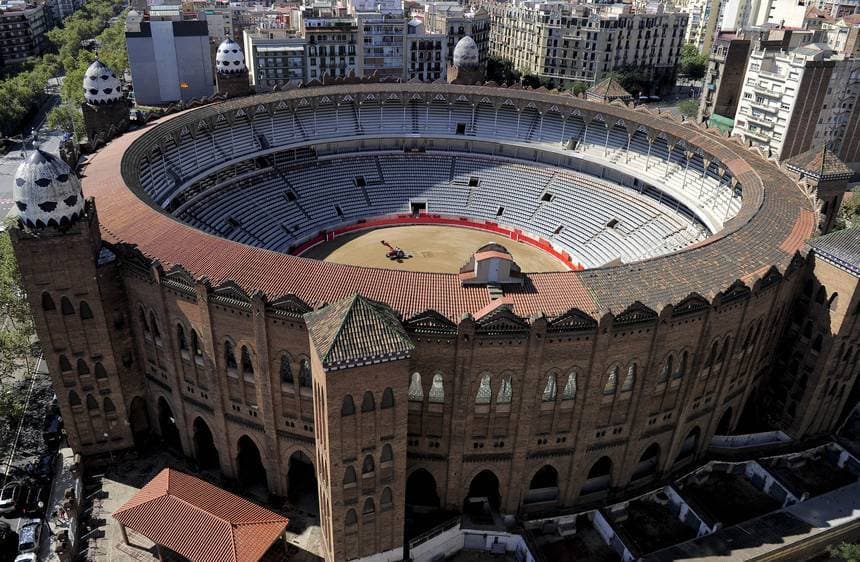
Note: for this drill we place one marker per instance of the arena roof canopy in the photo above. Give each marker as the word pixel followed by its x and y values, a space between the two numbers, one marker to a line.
pixel 759 243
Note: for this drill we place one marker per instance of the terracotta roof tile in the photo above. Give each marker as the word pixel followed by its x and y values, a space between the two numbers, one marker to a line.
pixel 820 163
pixel 200 521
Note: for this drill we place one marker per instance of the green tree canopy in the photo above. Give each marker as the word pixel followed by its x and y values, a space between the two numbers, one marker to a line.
pixel 693 64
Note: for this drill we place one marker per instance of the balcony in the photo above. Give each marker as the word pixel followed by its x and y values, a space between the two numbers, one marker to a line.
pixel 764 122
pixel 767 92
pixel 764 106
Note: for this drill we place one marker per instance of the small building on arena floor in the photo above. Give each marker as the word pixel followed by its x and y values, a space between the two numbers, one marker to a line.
pixel 187 516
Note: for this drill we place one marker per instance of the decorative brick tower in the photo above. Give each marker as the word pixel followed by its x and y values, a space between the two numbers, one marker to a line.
pixel 231 73
pixel 815 379
pixel 466 68
pixel 820 169
pixel 77 303
pixel 360 434
pixel 105 109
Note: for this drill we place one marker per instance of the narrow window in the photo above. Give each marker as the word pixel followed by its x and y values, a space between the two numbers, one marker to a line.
pixel 485 391
pixel 66 306
pixel 368 403
pixel 86 312
pixel 569 392
pixel 305 373
pixel 83 369
pixel 416 393
pixel 630 379
pixel 180 336
pixel 347 407
pixel 229 356
pixel 101 373
pixel 550 389
pixel 47 302
pixel 247 365
pixel 286 370
pixel 387 399
pixel 611 381
pixel 506 391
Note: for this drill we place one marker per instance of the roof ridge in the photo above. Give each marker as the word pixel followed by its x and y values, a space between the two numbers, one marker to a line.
pixel 349 306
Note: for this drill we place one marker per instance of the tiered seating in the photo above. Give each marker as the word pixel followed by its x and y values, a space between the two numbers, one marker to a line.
pixel 596 221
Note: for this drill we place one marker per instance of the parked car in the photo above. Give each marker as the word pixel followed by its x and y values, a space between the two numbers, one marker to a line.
pixel 29 536
pixel 34 500
pixel 44 467
pixel 52 427
pixel 8 542
pixel 27 557
pixel 10 497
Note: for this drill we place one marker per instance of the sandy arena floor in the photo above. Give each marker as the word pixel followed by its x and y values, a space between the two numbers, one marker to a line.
pixel 440 249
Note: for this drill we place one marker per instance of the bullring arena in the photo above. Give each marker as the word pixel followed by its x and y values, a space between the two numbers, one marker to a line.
pixel 657 261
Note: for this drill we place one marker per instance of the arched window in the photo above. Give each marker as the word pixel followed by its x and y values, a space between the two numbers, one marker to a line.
pixel 92 403
pixel 387 454
pixel 109 407
pixel 66 306
pixel 48 302
pixel 816 345
pixel 387 399
pixel 368 403
pixel 437 389
pixel 834 301
pixel 506 391
pixel 351 518
pixel 247 364
pixel 347 407
pixel 666 370
pixel 195 344
pixel 725 351
pixel 630 379
pixel 305 373
pixel 101 373
pixel 180 338
pixel 369 507
pixel 349 476
pixel 485 391
pixel 86 311
pixel 386 502
pixel 416 393
pixel 143 323
pixel 611 381
pixel 569 392
pixel 229 355
pixel 64 364
pixel 550 388
pixel 74 399
pixel 285 370
pixel 682 368
pixel 153 325
pixel 83 369
pixel 712 356
pixel 368 466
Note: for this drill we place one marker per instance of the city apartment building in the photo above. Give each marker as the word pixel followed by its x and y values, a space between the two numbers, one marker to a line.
pixel 562 43
pixel 724 77
pixel 276 57
pixel 22 31
pixel 796 100
pixel 61 9
pixel 702 23
pixel 332 46
pixel 456 21
pixel 426 54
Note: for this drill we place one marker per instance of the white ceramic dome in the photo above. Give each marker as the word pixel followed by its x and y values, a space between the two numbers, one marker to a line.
pixel 229 58
pixel 101 85
pixel 47 192
pixel 466 53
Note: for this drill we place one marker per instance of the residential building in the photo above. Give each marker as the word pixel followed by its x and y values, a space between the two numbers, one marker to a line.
pixel 836 9
pixel 800 99
pixel 170 59
pixel 426 54
pixel 457 21
pixel 275 58
pixel 22 31
pixel 61 9
pixel 724 79
pixel 382 40
pixel 332 46
pixel 843 35
pixel 562 43
pixel 702 23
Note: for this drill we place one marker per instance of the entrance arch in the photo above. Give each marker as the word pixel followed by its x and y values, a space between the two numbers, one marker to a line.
pixel 599 477
pixel 485 484
pixel 138 420
pixel 251 472
pixel 689 446
pixel 167 425
pixel 725 425
pixel 421 490
pixel 302 483
pixel 648 462
pixel 543 486
pixel 204 446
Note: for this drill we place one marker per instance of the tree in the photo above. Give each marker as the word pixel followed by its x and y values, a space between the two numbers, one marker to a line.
pixel 502 71
pixel 845 551
pixel 693 63
pixel 578 88
pixel 16 322
pixel 688 108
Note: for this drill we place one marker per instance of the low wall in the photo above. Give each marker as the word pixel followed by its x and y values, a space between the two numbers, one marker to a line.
pixel 514 234
pixel 449 541
pixel 749 440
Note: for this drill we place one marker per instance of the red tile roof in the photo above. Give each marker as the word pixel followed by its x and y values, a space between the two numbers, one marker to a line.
pixel 200 521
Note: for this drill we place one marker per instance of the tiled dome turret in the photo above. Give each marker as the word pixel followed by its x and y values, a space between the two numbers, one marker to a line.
pixel 47 192
pixel 101 85
pixel 466 53
pixel 229 59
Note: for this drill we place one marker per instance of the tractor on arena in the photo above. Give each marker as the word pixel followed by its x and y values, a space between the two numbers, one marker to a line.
pixel 395 252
